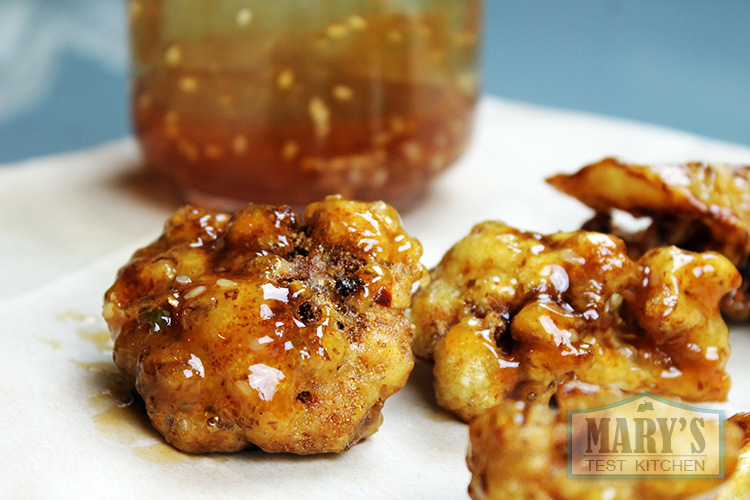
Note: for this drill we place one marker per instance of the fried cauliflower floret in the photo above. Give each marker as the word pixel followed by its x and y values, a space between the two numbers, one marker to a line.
pixel 254 330
pixel 694 206
pixel 518 451
pixel 739 483
pixel 510 314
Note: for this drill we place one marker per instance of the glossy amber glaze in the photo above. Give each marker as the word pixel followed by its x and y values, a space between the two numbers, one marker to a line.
pixel 256 330
pixel 518 451
pixel 694 206
pixel 513 315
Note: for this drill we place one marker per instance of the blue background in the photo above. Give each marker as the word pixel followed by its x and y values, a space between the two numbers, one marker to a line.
pixel 684 64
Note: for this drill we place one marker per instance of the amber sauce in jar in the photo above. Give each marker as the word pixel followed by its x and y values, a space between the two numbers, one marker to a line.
pixel 254 101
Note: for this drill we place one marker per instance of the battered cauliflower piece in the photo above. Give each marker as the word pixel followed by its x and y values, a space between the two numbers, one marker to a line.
pixel 739 484
pixel 254 330
pixel 511 315
pixel 694 206
pixel 518 451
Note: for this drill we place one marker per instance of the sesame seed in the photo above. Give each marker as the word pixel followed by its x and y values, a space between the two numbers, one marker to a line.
pixel 188 84
pixel 395 36
pixel 223 282
pixel 173 55
pixel 195 292
pixel 239 144
pixel 357 22
pixel 412 151
pixel 571 256
pixel 244 17
pixel 290 150
pixel 337 31
pixel 379 177
pixel 182 279
pixel 320 115
pixel 285 80
pixel 343 92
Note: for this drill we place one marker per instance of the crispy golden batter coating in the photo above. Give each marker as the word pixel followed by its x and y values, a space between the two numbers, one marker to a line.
pixel 739 484
pixel 518 451
pixel 252 330
pixel 510 314
pixel 694 206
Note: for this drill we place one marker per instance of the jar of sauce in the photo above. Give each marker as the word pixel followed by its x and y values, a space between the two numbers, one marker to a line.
pixel 287 102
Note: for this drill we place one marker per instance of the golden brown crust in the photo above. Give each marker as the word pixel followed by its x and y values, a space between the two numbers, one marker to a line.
pixel 743 421
pixel 739 483
pixel 694 206
pixel 252 330
pixel 518 451
pixel 513 315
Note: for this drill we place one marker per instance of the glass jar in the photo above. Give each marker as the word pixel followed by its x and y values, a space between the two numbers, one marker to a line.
pixel 288 101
